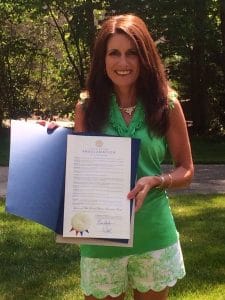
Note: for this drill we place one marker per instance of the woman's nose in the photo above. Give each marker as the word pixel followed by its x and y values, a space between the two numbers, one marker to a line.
pixel 123 60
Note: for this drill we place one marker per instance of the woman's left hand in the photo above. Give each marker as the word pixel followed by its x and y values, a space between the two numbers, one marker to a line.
pixel 142 187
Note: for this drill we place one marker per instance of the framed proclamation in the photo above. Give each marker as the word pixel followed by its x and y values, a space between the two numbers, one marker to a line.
pixel 98 178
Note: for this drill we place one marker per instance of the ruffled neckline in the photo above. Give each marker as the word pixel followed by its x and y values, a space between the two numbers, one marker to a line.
pixel 117 121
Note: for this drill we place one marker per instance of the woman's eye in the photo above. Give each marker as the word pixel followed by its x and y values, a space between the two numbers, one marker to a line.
pixel 132 52
pixel 113 53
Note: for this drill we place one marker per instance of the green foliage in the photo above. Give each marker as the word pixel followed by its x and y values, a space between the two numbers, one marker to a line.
pixel 205 150
pixel 46 47
pixel 17 55
pixel 208 150
pixel 48 54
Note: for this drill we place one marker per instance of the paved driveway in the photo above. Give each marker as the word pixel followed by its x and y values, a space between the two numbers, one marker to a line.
pixel 208 179
pixel 3 180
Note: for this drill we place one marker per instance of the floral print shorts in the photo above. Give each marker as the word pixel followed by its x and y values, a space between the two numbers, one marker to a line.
pixel 154 270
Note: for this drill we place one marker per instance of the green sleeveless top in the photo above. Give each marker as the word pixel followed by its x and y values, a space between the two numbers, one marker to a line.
pixel 154 226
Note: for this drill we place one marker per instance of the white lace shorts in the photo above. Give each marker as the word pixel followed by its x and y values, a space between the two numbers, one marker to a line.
pixel 154 270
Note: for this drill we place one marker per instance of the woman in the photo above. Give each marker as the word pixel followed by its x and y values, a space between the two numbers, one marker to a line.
pixel 128 95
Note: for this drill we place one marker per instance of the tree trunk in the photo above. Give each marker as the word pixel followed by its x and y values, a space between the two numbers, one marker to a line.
pixel 222 17
pixel 199 98
pixel 92 28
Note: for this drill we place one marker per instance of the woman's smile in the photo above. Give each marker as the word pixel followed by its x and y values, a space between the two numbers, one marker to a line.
pixel 123 73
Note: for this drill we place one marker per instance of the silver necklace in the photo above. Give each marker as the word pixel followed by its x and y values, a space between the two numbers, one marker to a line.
pixel 128 110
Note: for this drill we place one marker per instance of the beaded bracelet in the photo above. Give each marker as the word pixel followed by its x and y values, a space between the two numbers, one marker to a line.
pixel 171 180
pixel 162 181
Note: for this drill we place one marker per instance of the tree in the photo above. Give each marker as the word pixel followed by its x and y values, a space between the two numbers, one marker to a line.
pixel 35 75
pixel 75 22
pixel 17 55
pixel 222 26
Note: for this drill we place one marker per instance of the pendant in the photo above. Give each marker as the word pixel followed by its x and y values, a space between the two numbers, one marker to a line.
pixel 128 110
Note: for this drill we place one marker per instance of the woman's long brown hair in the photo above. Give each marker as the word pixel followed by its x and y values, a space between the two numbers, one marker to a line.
pixel 151 85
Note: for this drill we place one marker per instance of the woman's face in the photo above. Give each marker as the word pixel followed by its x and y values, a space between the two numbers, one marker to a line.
pixel 122 61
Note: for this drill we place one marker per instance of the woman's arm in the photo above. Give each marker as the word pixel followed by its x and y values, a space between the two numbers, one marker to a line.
pixel 79 121
pixel 180 149
pixel 179 146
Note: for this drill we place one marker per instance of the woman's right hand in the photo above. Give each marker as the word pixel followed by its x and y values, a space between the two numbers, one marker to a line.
pixel 141 189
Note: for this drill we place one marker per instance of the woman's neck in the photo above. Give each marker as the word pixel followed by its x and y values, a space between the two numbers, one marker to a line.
pixel 125 97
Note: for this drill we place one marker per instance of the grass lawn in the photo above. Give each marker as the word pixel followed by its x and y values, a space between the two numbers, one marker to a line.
pixel 33 266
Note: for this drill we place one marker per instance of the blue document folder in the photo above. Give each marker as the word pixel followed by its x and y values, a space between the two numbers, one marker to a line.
pixel 36 179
